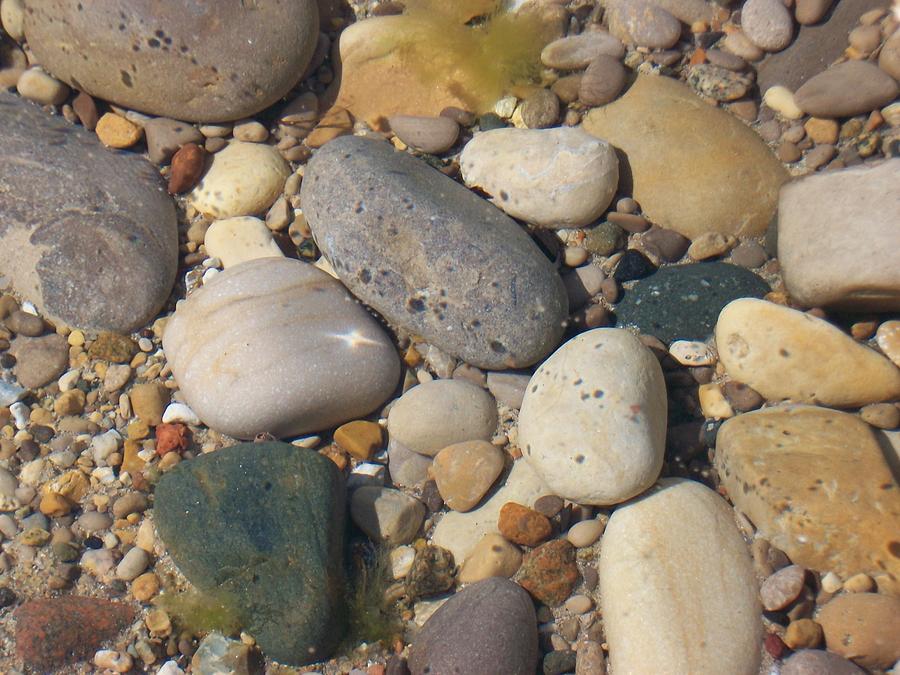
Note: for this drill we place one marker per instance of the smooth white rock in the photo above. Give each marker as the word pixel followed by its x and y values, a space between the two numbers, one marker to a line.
pixel 236 240
pixel 679 594
pixel 179 412
pixel 593 421
pixel 561 177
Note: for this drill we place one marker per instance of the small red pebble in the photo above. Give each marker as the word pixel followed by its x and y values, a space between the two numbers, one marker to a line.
pixel 187 167
pixel 775 646
pixel 172 438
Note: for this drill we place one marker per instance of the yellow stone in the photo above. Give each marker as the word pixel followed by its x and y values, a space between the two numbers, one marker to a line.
pixel 41 416
pixel 336 122
pixel 73 485
pixel 713 402
pixel 137 430
pixel 75 338
pixel 493 556
pixel 131 462
pixel 114 131
pixel 158 623
pixel 821 130
pixel 70 403
pixel 145 587
pixel 55 505
pixel 359 438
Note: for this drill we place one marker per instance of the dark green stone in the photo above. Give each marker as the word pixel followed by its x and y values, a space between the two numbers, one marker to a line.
pixel 263 524
pixel 683 302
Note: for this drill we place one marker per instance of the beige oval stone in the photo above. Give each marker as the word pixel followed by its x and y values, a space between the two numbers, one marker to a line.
pixel 786 354
pixel 694 168
pixel 464 472
pixel 236 240
pixel 241 180
pixel 678 587
pixel 816 485
pixel 36 85
pixel 863 627
pixel 493 556
pixel 428 134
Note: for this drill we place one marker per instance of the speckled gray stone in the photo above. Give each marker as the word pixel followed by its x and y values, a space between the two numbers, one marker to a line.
pixel 431 256
pixel 200 61
pixel 87 234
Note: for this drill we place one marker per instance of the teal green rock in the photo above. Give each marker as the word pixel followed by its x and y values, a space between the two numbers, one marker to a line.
pixel 262 526
pixel 684 301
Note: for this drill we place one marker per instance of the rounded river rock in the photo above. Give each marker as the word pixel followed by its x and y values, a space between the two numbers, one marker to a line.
pixel 431 256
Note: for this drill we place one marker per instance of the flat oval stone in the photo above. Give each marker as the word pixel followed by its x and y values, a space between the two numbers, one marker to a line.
pixel 818 662
pixel 89 236
pixel 643 23
pixel 683 302
pixel 694 168
pixel 863 627
pixel 767 23
pixel 676 569
pixel 574 52
pixel 515 166
pixel 431 256
pixel 208 62
pixel 488 627
pixel 846 89
pixel 592 424
pixel 428 134
pixel 276 345
pixel 786 354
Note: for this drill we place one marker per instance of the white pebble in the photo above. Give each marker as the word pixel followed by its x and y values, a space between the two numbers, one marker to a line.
pixel 179 412
pixel 10 393
pixel 170 668
pixel 209 274
pixel 831 583
pixel 692 353
pixel 20 414
pixel 366 473
pixel 104 474
pixel 781 100
pixel 118 662
pixel 306 441
pixel 145 344
pixel 63 459
pixel 401 561
pixel 506 106
pixel 29 308
pixel 586 532
pixel 103 445
pixel 579 604
pixel 68 380
pixel 36 85
pixel 133 564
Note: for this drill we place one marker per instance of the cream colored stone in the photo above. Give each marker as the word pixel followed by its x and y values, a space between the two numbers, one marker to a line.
pixel 816 485
pixel 12 17
pixel 493 556
pixel 713 402
pixel 695 168
pixel 236 240
pixel 36 85
pixel 244 179
pixel 678 589
pixel 888 339
pixel 556 178
pixel 786 354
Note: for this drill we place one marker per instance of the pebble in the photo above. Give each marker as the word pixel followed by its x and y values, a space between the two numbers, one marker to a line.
pixel 887 337
pixel 488 627
pixel 781 100
pixel 166 136
pixel 464 472
pixel 131 502
pixel 846 89
pixel 13 64
pixel 522 525
pixel 237 240
pixel 508 387
pixel 511 165
pixel 881 415
pixel 386 515
pixel 711 245
pixel 660 123
pixel 575 52
pixel 434 415
pixel 602 82
pixel 149 401
pixel 36 85
pixel 204 65
pixel 803 634
pixel 782 456
pixel 633 265
pixel 692 353
pixel 12 18
pixel 726 60
pixel 718 83
pixel 414 261
pixel 188 163
pixel 811 11
pixel 740 45
pixel 782 588
pixel 889 58
pixel 117 662
pixel 218 654
pixel 643 23
pixel 749 255
pixel 407 468
pixel 549 572
pixel 567 87
pixel 813 213
pixel 586 532
pixel 540 109
pixel 679 551
pixel 493 556
pixel 133 564
pixel 179 412
pixel 291 298
pixel 23 323
pixel 859 583
pixel 434 135
pixel 117 375
pixel 359 438
pixel 250 131
pixel 114 131
pixel 780 352
pixel 590 659
pixel 242 180
pixel 39 360
pixel 818 661
pixel 863 627
pixel 590 381
pixel 767 23
pixel 118 275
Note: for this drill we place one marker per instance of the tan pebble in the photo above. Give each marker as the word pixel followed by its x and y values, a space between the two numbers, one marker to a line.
pixel 822 130
pixel 692 353
pixel 888 339
pixel 158 623
pixel 465 471
pixel 149 401
pixel 863 330
pixel 169 461
pixel 859 583
pixel 250 131
pixel 336 122
pixel 36 85
pixel 713 403
pixel 360 438
pixel 145 587
pixel 864 627
pixel 75 338
pixel 579 604
pixel 239 239
pixel 70 403
pixel 114 131
pixel 881 415
pixel 803 634
pixel 117 662
pixel 781 100
pixel 711 245
pixel 55 505
pixel 146 534
pixel 831 583
pixel 586 532
pixel 493 556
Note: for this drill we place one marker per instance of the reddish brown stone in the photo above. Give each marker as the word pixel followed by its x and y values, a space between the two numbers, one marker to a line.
pixel 549 572
pixel 54 632
pixel 172 438
pixel 86 109
pixel 187 167
pixel 522 525
pixel 775 646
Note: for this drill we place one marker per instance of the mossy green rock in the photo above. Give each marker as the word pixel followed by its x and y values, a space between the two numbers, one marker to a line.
pixel 684 301
pixel 263 525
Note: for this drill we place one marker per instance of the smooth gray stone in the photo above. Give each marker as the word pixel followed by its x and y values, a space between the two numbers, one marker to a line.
pixel 87 234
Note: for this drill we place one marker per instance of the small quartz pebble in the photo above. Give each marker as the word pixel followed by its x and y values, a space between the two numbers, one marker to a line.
pixel 782 588
pixel 179 412
pixel 579 604
pixel 585 532
pixel 236 240
pixel 428 134
pixel 402 559
pixel 888 339
pixel 114 131
pixel 692 353
pixel 36 85
pixel 767 23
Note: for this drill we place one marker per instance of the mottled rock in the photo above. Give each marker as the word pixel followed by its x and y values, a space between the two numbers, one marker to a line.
pixel 165 136
pixel 846 89
pixel 767 23
pixel 209 64
pixel 786 354
pixel 274 563
pixel 660 124
pixel 813 482
pixel 39 360
pixel 643 23
pixel 549 572
pixel 675 569
pixel 96 251
pixel 863 627
pixel 234 349
pixel 836 240
pixel 609 389
pixel 487 628
pixel 684 302
pixel 522 525
pixel 431 256
pixel 513 166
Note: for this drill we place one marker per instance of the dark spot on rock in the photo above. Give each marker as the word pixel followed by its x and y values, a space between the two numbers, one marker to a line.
pixel 415 305
pixel 893 548
pixel 503 195
pixel 160 34
pixel 126 79
pixel 598 393
pixel 153 42
pixel 585 396
pixel 122 27
pixel 784 352
pixel 579 459
pixel 533 388
pixel 365 276
pixel 497 347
